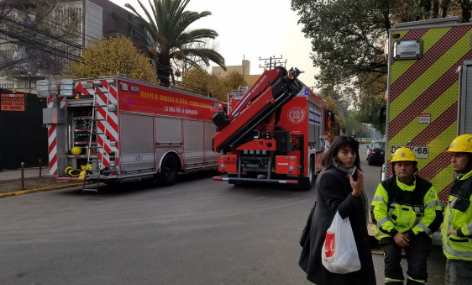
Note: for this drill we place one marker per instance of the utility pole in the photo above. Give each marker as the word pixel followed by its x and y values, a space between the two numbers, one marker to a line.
pixel 272 62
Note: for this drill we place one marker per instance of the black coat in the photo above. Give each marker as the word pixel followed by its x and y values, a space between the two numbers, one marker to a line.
pixel 333 193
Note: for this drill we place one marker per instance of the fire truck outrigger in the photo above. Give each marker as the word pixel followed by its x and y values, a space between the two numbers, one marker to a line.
pixel 273 134
pixel 115 129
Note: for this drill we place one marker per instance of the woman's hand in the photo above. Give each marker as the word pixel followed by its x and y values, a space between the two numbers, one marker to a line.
pixel 357 185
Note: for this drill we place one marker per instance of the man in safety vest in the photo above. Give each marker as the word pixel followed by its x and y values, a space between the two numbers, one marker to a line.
pixel 405 212
pixel 457 228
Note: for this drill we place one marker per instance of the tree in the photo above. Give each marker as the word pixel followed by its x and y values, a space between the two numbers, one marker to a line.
pixel 198 80
pixel 111 56
pixel 348 36
pixel 34 38
pixel 333 107
pixel 166 36
pixel 372 98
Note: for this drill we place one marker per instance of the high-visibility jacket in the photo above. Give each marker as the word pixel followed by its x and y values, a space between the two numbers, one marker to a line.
pixel 458 216
pixel 413 209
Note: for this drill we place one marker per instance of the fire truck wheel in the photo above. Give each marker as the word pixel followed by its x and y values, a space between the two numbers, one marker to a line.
pixel 308 182
pixel 169 170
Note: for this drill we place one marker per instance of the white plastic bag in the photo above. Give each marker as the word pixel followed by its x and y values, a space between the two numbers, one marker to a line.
pixel 339 253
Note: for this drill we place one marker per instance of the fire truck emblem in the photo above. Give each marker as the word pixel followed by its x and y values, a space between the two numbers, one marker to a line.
pixel 296 115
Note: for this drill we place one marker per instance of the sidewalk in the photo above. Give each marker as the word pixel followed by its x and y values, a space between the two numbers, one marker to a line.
pixel 10 182
pixel 16 174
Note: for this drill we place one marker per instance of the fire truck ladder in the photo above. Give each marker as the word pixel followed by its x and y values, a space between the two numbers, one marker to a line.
pixel 94 130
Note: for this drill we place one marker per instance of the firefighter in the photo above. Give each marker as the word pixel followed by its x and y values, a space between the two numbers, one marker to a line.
pixel 457 228
pixel 405 212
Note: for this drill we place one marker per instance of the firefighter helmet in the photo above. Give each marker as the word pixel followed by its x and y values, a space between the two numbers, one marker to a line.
pixel 404 154
pixel 462 143
pixel 76 150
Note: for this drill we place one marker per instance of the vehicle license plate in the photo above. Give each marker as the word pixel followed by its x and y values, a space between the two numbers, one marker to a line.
pixel 420 151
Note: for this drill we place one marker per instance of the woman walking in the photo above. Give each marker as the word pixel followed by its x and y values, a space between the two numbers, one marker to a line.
pixel 338 192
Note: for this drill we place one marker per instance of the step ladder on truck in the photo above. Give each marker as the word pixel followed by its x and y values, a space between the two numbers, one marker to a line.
pixel 115 129
pixel 428 97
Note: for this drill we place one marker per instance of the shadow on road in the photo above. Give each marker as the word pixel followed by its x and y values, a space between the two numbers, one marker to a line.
pixel 135 187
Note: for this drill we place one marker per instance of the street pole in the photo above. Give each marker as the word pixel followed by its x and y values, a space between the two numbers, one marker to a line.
pixel 268 62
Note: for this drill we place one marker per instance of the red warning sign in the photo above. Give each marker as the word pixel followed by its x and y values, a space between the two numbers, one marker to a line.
pixel 13 102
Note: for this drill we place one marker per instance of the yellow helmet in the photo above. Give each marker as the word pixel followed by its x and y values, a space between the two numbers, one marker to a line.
pixel 404 154
pixel 462 143
pixel 76 150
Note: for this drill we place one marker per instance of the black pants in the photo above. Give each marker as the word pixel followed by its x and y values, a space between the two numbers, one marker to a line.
pixel 458 272
pixel 416 253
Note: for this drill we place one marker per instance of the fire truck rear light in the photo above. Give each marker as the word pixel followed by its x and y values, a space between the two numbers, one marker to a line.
pixel 222 166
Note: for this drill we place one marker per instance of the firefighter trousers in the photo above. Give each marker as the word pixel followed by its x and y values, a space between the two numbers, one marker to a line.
pixel 458 272
pixel 416 254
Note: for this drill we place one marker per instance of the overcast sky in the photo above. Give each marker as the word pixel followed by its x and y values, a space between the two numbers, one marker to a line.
pixel 253 29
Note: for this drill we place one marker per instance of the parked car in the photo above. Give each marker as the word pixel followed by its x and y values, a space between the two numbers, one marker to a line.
pixel 376 152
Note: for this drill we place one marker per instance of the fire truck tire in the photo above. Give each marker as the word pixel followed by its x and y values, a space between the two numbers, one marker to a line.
pixel 308 182
pixel 169 170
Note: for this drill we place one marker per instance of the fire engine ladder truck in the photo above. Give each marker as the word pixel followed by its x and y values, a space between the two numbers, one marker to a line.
pixel 283 91
pixel 94 145
pixel 234 131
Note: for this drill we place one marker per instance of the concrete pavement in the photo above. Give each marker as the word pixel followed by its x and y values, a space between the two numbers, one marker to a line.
pixel 16 173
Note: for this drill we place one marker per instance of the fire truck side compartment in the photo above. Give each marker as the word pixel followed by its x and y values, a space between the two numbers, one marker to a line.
pixel 137 146
pixel 211 157
pixel 193 142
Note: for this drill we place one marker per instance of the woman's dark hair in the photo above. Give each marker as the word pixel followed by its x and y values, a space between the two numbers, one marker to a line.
pixel 339 143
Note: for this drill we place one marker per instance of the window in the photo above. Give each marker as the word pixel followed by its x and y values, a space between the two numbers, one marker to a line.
pixel 379 145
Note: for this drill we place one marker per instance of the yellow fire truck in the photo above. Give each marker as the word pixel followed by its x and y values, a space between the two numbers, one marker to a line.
pixel 429 95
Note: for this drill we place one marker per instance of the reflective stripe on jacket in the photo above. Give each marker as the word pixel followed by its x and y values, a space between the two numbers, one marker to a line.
pixel 458 216
pixel 413 209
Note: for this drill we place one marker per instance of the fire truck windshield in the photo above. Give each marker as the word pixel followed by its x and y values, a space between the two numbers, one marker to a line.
pixel 236 94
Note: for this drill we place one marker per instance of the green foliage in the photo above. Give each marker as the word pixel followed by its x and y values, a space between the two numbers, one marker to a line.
pixel 198 80
pixel 111 56
pixel 353 124
pixel 348 37
pixel 372 98
pixel 166 36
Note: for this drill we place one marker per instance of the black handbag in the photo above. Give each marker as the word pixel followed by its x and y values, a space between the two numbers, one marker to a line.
pixel 307 229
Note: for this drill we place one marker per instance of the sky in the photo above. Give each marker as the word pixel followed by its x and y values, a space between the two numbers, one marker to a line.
pixel 252 29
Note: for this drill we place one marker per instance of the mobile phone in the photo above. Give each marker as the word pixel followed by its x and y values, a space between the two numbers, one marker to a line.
pixel 353 171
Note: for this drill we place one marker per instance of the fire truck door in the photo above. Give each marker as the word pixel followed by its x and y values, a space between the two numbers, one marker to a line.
pixel 465 99
pixel 137 142
pixel 193 143
pixel 168 136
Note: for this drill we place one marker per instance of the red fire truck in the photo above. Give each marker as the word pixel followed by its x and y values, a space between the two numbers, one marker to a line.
pixel 273 134
pixel 116 129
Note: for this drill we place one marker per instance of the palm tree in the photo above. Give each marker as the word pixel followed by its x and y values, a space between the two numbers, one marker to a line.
pixel 165 35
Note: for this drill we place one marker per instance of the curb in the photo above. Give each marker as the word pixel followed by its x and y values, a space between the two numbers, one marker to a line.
pixel 16 193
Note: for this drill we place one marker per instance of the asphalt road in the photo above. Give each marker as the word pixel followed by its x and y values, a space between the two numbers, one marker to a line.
pixel 196 232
